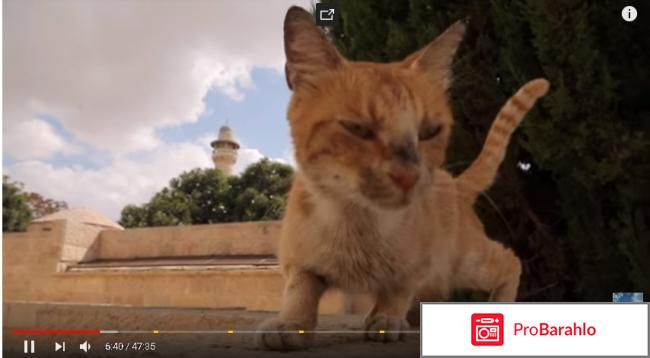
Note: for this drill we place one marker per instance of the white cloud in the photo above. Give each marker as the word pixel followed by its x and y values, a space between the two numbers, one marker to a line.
pixel 230 81
pixel 112 72
pixel 109 189
pixel 246 157
pixel 34 138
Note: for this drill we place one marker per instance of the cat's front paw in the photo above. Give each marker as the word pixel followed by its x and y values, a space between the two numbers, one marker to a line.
pixel 384 328
pixel 275 334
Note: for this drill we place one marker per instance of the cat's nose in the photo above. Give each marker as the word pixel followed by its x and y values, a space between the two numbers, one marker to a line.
pixel 403 177
pixel 405 152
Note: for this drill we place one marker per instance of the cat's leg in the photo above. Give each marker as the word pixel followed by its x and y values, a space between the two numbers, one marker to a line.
pixel 489 266
pixel 299 311
pixel 386 321
pixel 431 291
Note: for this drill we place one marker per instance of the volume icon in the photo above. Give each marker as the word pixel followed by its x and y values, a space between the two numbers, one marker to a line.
pixel 85 346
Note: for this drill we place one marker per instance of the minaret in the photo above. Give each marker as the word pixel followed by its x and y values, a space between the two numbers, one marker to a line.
pixel 224 152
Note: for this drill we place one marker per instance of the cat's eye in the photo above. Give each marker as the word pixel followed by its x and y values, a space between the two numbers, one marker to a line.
pixel 430 132
pixel 358 129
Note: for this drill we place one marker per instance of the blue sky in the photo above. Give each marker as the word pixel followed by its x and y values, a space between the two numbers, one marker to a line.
pixel 258 120
pixel 86 156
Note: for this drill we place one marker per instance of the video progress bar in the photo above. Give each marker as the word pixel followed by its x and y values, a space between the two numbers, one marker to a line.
pixel 40 331
pixel 300 331
pixel 21 331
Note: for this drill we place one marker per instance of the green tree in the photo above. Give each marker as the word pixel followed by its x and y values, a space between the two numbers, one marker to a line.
pixel 170 207
pixel 134 216
pixel 261 191
pixel 209 195
pixel 41 206
pixel 578 216
pixel 204 196
pixel 15 211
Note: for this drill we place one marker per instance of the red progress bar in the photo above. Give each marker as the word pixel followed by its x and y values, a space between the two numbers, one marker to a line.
pixel 55 331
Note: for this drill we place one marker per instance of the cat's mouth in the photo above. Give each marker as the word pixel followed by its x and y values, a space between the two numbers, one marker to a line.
pixel 386 193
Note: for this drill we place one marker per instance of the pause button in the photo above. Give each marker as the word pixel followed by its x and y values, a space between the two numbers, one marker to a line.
pixel 29 346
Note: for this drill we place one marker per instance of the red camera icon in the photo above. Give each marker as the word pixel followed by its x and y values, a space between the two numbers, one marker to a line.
pixel 487 329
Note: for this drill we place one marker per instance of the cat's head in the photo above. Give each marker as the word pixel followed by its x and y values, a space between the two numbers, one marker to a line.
pixel 365 131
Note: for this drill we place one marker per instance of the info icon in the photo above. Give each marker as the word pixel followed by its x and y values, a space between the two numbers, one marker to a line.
pixel 487 329
pixel 326 14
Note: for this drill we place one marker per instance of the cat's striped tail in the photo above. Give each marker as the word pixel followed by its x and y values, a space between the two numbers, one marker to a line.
pixel 481 173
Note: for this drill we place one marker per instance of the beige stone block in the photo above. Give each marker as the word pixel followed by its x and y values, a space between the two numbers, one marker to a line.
pixel 256 238
pixel 73 253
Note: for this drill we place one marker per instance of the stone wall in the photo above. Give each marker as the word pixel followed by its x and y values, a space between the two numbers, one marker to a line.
pixel 255 238
pixel 36 265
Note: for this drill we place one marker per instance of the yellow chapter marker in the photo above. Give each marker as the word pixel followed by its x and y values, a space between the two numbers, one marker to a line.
pixel 381 331
pixel 300 331
pixel 230 331
pixel 155 331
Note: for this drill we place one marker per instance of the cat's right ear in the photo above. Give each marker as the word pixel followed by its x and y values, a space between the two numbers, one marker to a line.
pixel 436 57
pixel 308 51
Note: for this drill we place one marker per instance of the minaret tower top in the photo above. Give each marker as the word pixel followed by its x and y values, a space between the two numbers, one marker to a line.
pixel 224 150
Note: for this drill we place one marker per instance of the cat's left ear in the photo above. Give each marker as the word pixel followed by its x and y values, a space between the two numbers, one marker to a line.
pixel 309 53
pixel 435 58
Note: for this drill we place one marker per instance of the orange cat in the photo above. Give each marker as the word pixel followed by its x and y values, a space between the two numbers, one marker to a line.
pixel 370 209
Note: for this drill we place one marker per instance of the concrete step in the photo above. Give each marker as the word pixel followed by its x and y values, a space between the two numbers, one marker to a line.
pixel 214 262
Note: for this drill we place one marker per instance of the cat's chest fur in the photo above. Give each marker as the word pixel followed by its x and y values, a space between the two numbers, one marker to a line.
pixel 355 249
